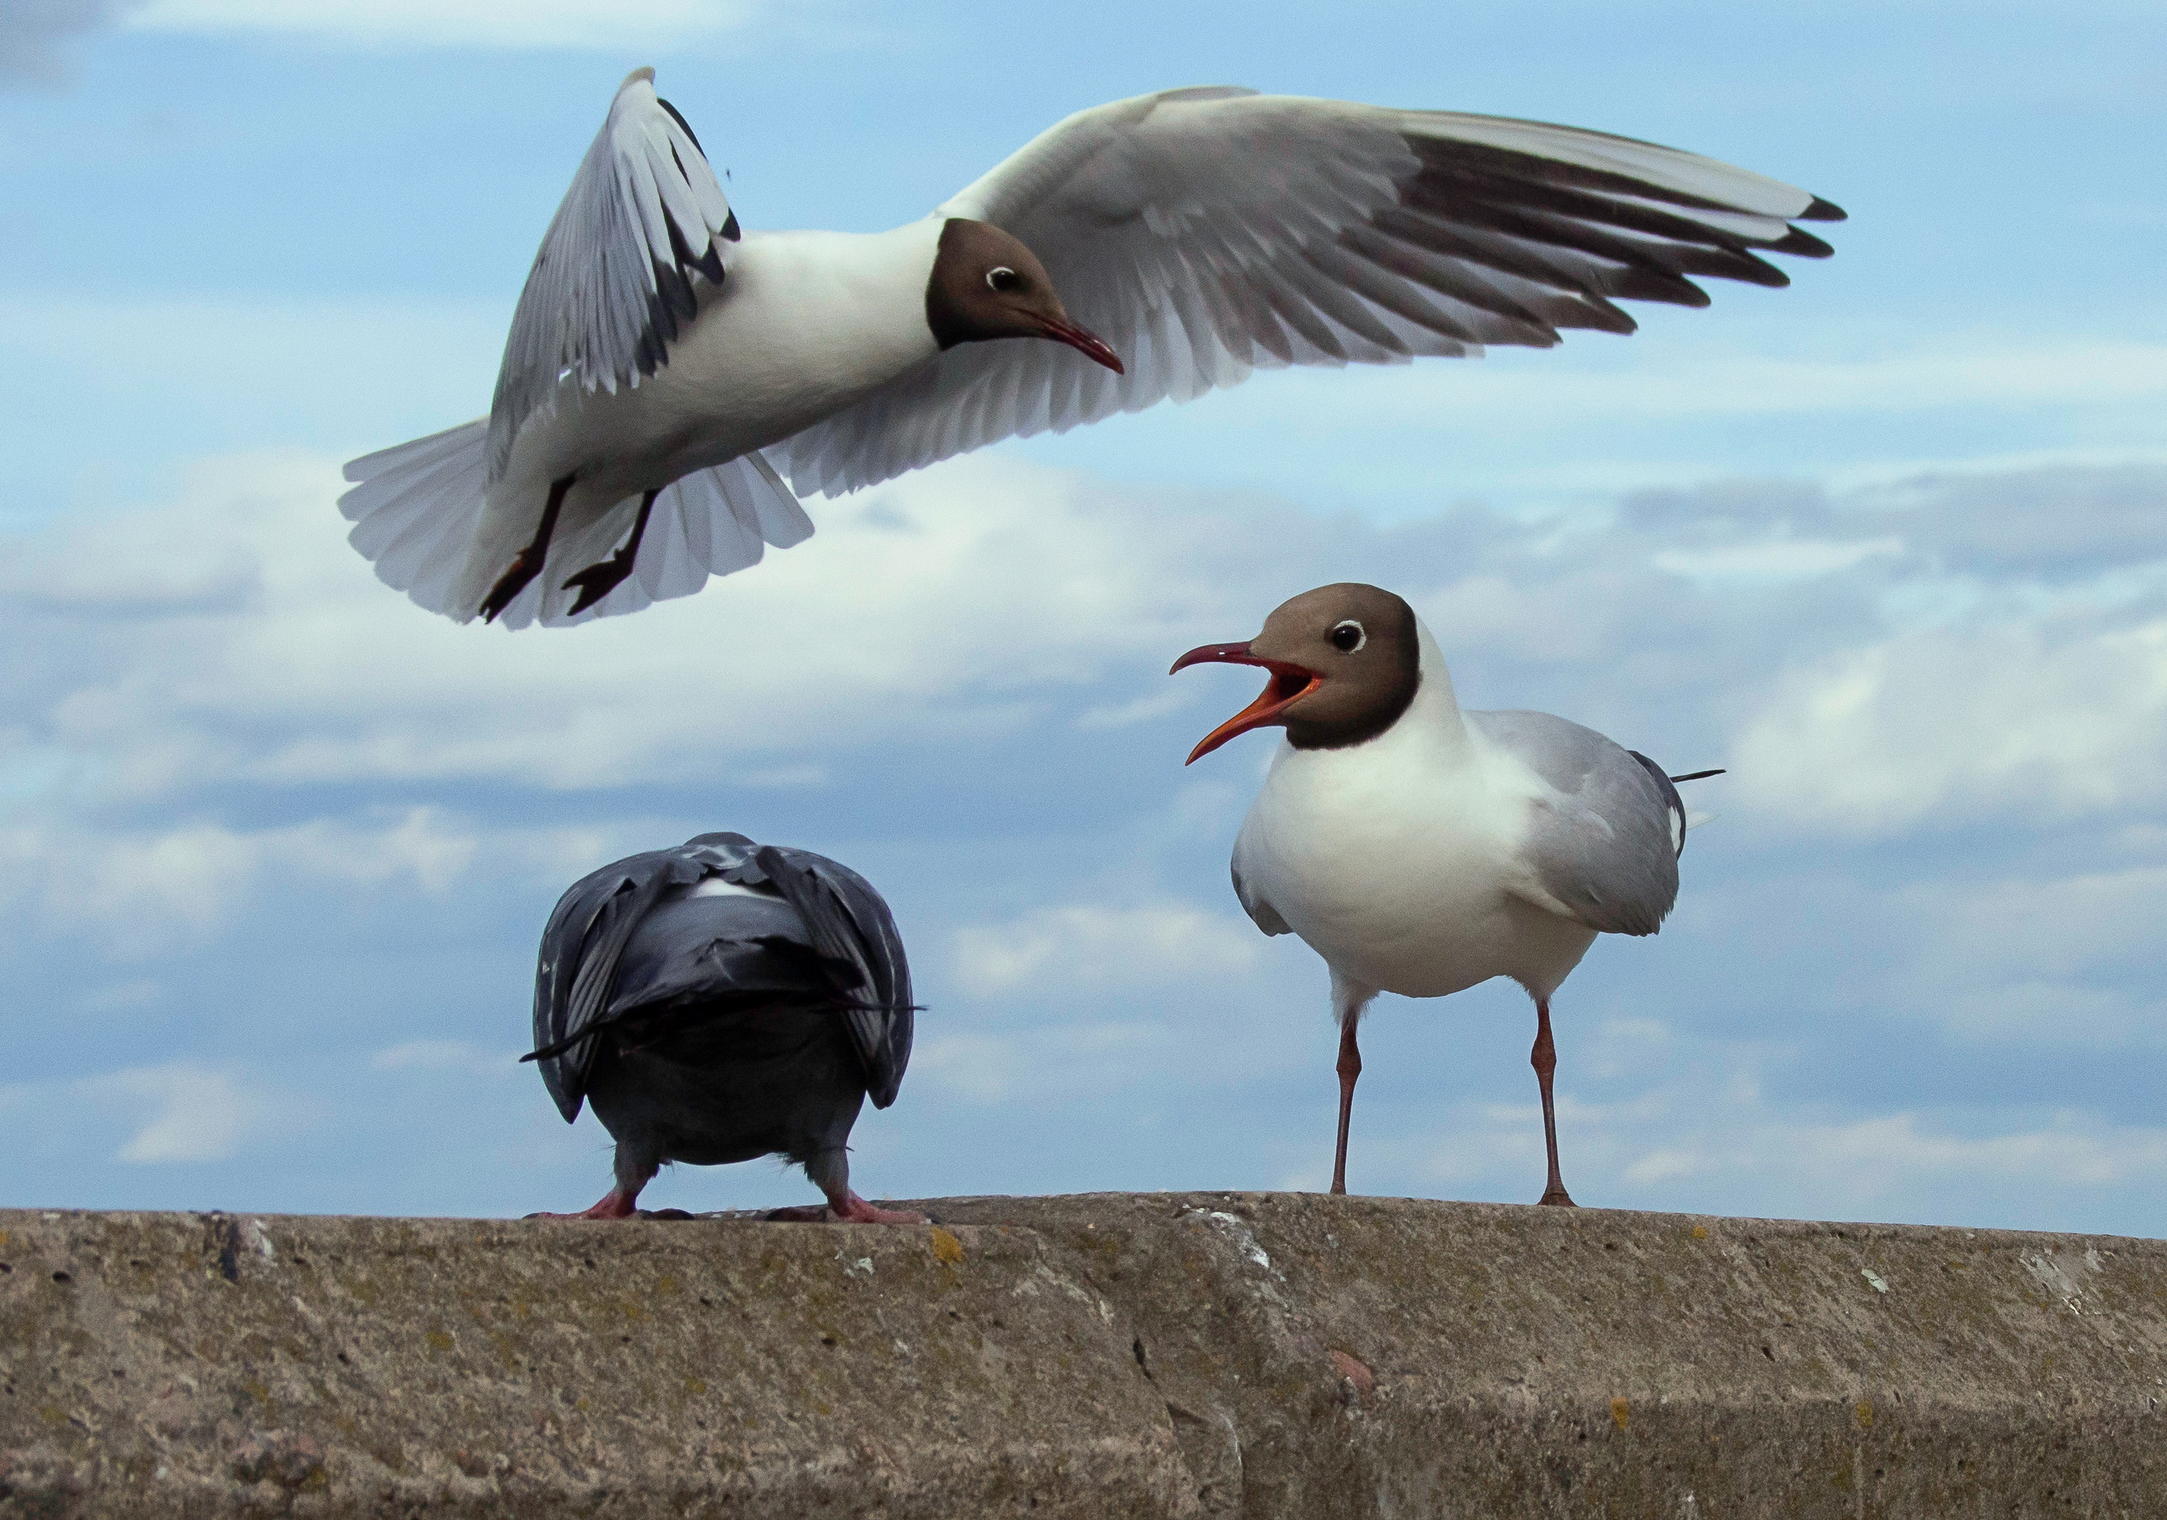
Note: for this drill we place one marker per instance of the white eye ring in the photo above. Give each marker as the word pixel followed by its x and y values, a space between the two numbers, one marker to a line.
pixel 1339 630
pixel 1001 277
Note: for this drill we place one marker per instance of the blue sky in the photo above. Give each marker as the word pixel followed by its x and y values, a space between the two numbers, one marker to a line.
pixel 1892 544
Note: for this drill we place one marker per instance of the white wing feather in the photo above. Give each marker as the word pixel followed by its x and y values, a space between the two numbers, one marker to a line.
pixel 1208 233
pixel 614 280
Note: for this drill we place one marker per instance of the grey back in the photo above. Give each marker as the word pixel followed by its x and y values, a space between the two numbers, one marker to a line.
pixel 631 935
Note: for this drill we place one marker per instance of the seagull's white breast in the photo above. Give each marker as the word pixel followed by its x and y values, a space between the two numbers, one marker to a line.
pixel 1398 860
pixel 808 323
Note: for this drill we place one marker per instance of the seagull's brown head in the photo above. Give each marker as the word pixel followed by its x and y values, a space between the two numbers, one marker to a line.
pixel 986 284
pixel 1345 661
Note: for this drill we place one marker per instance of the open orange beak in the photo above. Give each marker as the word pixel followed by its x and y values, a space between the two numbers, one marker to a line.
pixel 1290 683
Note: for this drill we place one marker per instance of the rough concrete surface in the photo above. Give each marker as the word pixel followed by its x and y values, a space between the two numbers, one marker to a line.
pixel 1106 1356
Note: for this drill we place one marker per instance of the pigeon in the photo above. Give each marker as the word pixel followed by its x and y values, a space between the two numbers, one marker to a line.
pixel 672 384
pixel 1421 849
pixel 720 1001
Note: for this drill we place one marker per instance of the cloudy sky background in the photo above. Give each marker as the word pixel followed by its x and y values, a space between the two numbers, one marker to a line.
pixel 1891 544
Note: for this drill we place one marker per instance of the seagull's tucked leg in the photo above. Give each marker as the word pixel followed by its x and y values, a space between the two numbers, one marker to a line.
pixel 527 563
pixel 635 1169
pixel 1349 999
pixel 598 581
pixel 830 1172
pixel 1544 1058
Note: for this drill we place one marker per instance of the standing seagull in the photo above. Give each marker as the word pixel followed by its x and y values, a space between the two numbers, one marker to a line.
pixel 1421 849
pixel 721 1001
pixel 664 372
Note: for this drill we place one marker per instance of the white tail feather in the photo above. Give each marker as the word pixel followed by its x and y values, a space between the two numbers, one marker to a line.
pixel 416 508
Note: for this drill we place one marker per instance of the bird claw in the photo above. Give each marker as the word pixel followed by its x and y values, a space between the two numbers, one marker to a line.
pixel 598 581
pixel 523 569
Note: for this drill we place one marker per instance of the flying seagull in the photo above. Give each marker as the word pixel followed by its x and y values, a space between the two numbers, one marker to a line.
pixel 721 1001
pixel 1419 848
pixel 666 372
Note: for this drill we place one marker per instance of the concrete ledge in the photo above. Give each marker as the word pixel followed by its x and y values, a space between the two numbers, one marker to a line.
pixel 1104 1356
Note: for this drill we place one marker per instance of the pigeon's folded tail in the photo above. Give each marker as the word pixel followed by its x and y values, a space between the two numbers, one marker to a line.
pixel 417 511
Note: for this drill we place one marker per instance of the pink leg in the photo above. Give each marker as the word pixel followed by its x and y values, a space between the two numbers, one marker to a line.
pixel 851 1209
pixel 830 1172
pixel 1350 1067
pixel 617 1203
pixel 1544 1058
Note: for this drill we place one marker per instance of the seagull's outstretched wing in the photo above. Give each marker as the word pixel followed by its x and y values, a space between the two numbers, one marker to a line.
pixel 615 280
pixel 1603 839
pixel 1207 233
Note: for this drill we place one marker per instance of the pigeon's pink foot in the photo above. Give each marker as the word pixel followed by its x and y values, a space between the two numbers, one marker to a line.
pixel 615 1204
pixel 852 1210
pixel 856 1210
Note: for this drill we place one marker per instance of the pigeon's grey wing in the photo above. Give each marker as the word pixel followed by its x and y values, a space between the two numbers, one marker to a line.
pixel 614 281
pixel 850 922
pixel 1208 233
pixel 1601 844
pixel 1261 913
pixel 581 948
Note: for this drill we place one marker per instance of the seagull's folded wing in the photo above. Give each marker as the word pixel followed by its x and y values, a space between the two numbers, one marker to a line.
pixel 1207 233
pixel 1603 835
pixel 614 281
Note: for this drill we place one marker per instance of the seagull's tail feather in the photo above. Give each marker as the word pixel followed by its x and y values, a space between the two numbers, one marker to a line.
pixel 415 507
pixel 711 522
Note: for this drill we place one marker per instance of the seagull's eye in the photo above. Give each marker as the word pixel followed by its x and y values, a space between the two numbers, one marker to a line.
pixel 1003 278
pixel 1347 637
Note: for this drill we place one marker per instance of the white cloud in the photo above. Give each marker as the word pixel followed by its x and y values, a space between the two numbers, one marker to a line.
pixel 1691 1123
pixel 1944 725
pixel 1644 385
pixel 182 1111
pixel 458 1057
pixel 973 599
pixel 1095 1058
pixel 143 891
pixel 483 23
pixel 34 34
pixel 1102 945
pixel 1888 1154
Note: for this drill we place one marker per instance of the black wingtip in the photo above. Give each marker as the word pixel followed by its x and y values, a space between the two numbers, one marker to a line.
pixel 678 117
pixel 1822 211
pixel 1801 244
pixel 1699 775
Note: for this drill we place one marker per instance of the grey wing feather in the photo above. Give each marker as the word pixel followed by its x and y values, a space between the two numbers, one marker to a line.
pixel 1209 233
pixel 614 281
pixel 849 921
pixel 581 947
pixel 1603 843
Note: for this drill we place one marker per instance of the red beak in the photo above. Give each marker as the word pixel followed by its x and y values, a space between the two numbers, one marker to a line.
pixel 1290 683
pixel 1089 344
